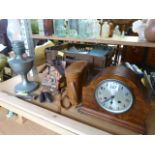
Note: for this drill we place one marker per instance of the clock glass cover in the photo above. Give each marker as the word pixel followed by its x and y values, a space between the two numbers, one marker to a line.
pixel 114 96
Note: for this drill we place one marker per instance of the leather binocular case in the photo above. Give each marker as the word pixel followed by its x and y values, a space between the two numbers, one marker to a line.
pixel 76 75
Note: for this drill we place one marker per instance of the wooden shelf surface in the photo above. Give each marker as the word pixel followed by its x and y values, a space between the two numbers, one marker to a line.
pixel 62 121
pixel 46 118
pixel 127 40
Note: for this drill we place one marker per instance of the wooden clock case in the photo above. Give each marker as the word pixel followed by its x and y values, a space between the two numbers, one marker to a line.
pixel 134 119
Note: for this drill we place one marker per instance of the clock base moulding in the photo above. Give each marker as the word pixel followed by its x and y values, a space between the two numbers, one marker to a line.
pixel 141 129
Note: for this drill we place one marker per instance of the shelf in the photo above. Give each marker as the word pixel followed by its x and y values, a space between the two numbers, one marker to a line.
pixel 50 119
pixel 127 40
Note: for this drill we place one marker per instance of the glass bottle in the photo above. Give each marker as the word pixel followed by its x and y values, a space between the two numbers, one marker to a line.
pixel 73 24
pixel 73 27
pixel 34 26
pixel 89 24
pixel 59 27
pixel 41 26
pixel 111 25
pixel 48 27
pixel 105 30
pixel 116 32
pixel 95 29
pixel 82 28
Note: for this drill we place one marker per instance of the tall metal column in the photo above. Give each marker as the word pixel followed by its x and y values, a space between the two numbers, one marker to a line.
pixel 27 37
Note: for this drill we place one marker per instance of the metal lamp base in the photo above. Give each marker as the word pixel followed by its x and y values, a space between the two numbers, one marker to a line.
pixel 26 87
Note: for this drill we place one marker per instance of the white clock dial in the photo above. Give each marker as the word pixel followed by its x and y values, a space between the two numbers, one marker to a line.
pixel 114 96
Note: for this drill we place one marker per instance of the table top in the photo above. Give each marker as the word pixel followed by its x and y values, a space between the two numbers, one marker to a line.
pixel 8 86
pixel 127 40
pixel 36 113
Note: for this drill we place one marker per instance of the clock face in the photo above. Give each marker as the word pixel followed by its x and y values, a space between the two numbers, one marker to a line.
pixel 114 96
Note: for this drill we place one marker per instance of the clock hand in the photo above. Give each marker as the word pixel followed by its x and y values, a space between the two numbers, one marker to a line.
pixel 111 97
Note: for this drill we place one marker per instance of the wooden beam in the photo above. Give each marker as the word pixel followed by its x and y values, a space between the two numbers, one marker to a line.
pixel 56 122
